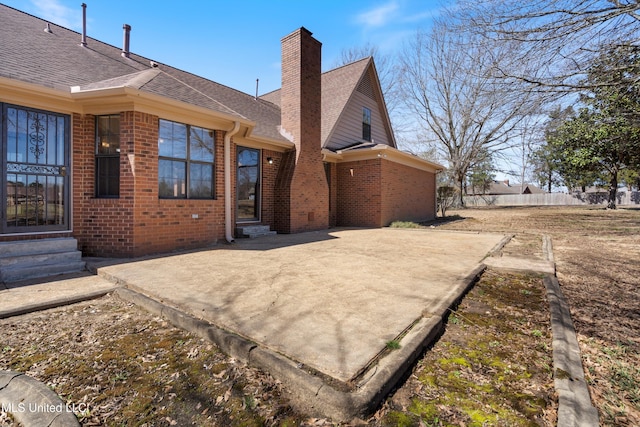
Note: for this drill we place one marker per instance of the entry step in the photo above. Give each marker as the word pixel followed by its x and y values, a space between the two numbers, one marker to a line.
pixel 253 231
pixel 31 259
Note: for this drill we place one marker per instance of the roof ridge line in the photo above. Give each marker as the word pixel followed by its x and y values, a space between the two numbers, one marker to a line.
pixel 143 77
pixel 204 94
pixel 366 58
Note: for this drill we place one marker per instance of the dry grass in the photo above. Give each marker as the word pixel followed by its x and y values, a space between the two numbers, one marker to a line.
pixel 597 253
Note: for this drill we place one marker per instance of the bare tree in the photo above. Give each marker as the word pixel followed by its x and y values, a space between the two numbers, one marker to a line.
pixel 448 81
pixel 527 138
pixel 562 37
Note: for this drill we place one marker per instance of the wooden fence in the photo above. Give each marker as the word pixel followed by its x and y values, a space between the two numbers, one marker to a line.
pixel 624 198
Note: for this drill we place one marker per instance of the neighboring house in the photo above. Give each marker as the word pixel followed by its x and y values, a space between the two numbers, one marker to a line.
pixel 498 188
pixel 133 157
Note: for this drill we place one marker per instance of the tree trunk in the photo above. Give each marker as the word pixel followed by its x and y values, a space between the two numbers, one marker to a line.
pixel 613 190
pixel 461 182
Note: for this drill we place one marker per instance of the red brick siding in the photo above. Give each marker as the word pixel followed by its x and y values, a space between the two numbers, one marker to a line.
pixel 359 199
pixel 374 193
pixel 162 225
pixel 103 227
pixel 138 222
pixel 332 169
pixel 269 175
pixel 408 194
pixel 282 193
pixel 309 196
pixel 302 193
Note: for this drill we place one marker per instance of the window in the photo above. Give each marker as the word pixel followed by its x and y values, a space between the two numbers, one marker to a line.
pixel 185 165
pixel 366 124
pixel 248 184
pixel 108 156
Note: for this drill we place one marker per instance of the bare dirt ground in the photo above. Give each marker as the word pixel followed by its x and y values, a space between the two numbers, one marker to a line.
pixel 492 365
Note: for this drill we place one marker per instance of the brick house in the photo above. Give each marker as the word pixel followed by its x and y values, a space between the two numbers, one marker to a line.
pixel 132 157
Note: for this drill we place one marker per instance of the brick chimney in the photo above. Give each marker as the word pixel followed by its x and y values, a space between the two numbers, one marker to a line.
pixel 302 194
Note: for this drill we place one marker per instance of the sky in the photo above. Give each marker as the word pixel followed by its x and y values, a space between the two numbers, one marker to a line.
pixel 236 42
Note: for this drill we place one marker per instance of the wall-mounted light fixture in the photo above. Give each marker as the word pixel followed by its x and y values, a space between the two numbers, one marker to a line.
pixel 270 160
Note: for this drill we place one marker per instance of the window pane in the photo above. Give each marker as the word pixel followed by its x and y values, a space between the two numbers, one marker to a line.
pixel 108 156
pixel 16 135
pixel 200 181
pixel 366 124
pixel 172 140
pixel 366 115
pixel 61 138
pixel 108 135
pixel 185 171
pixel 107 176
pixel 201 144
pixel 172 177
pixel 247 157
pixel 248 172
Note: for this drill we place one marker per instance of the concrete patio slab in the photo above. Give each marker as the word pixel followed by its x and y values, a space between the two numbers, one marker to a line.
pixel 328 300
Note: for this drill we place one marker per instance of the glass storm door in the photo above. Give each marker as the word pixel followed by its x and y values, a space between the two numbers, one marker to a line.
pixel 35 160
pixel 248 183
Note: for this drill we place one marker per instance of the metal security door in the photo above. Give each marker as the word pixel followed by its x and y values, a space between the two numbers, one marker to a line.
pixel 35 148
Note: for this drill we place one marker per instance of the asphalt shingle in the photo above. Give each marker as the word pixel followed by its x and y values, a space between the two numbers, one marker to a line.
pixel 57 60
pixel 337 87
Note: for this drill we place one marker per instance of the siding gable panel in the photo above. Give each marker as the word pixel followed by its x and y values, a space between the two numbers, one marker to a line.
pixel 348 130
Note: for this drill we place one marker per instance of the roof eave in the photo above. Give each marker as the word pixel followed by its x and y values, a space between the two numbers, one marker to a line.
pixel 124 98
pixel 253 141
pixel 37 96
pixel 392 154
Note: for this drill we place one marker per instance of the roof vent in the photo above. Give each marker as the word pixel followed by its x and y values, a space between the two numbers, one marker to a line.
pixel 48 28
pixel 125 40
pixel 83 41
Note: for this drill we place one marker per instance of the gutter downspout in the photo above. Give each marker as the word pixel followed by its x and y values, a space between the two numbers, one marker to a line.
pixel 228 223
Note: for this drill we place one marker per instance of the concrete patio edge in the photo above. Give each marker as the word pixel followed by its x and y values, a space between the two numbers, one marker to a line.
pixel 309 392
pixel 58 302
pixel 575 408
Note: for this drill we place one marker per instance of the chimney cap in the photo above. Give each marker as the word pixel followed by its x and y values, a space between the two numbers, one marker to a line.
pixel 301 30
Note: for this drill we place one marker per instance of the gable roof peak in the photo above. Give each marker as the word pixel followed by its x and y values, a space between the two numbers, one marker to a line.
pixel 361 61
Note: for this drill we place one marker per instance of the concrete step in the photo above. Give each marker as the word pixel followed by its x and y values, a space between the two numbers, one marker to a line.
pixel 40 259
pixel 31 259
pixel 253 231
pixel 39 246
pixel 39 271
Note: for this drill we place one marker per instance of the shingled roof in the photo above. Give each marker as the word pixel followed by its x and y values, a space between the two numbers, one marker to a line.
pixel 338 86
pixel 57 60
